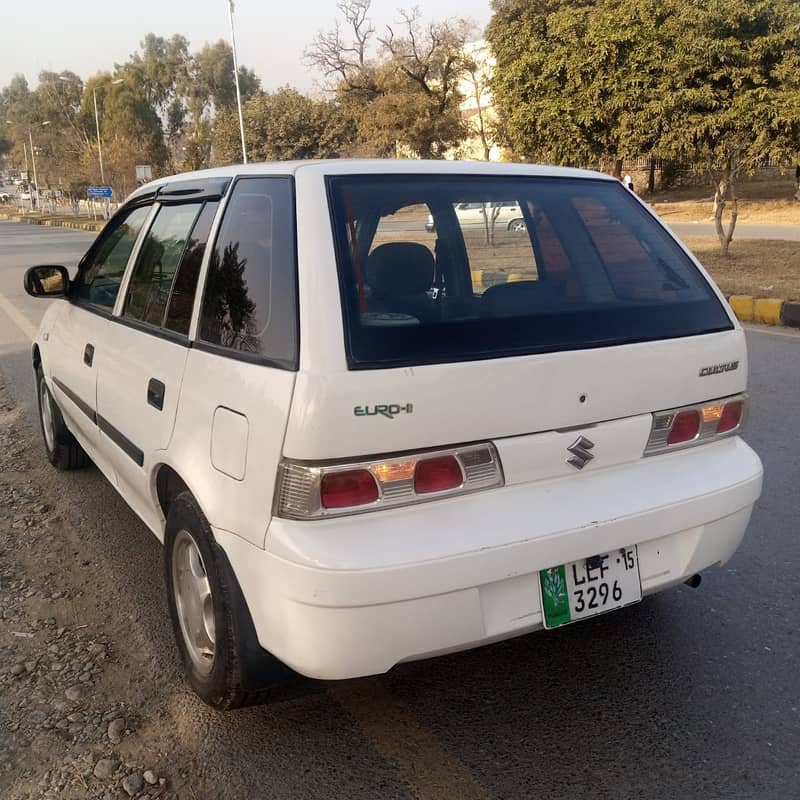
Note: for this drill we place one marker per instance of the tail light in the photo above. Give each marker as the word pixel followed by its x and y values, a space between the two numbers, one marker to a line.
pixel 312 491
pixel 703 422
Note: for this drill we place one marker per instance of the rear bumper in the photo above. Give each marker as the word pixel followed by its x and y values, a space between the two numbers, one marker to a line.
pixel 355 596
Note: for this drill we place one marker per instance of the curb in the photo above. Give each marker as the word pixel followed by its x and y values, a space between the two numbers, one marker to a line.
pixel 54 222
pixel 767 311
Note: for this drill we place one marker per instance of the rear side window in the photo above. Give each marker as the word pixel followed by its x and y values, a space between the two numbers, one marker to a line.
pixel 100 276
pixel 506 266
pixel 250 300
pixel 157 264
pixel 181 301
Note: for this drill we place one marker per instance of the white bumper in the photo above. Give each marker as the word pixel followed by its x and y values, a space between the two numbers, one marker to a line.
pixel 354 596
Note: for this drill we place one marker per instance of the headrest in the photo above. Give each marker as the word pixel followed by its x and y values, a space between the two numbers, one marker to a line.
pixel 520 298
pixel 398 269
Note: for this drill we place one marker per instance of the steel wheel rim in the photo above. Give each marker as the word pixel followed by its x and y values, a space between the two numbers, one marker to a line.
pixel 47 416
pixel 193 601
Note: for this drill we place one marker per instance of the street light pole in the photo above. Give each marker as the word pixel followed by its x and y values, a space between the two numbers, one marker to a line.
pixel 99 143
pixel 35 178
pixel 236 80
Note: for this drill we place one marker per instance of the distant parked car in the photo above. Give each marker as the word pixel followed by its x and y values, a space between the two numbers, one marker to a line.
pixel 501 215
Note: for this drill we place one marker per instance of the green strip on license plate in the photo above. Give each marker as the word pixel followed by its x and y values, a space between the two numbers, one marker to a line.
pixel 554 596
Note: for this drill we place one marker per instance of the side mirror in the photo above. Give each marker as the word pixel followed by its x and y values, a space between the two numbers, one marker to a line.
pixel 47 281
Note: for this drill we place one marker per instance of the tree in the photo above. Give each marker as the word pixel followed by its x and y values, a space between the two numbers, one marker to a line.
pixel 562 77
pixel 208 89
pixel 712 83
pixel 283 125
pixel 733 91
pixel 479 67
pixel 401 87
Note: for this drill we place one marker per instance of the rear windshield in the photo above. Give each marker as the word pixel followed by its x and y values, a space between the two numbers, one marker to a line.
pixel 436 269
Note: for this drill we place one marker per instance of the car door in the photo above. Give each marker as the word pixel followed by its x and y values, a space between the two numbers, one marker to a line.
pixel 146 343
pixel 79 330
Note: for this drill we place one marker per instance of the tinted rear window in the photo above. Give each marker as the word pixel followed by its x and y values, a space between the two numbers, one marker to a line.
pixel 436 269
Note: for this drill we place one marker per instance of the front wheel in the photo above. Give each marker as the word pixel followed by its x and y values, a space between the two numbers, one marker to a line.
pixel 213 629
pixel 516 225
pixel 62 448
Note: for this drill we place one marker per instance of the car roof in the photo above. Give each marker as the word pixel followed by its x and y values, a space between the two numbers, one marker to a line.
pixel 357 166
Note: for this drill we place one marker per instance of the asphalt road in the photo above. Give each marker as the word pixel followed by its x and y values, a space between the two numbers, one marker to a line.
pixel 692 693
pixel 788 232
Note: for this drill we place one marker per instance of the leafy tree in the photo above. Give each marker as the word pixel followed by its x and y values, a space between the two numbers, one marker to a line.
pixel 732 90
pixel 401 88
pixel 208 89
pixel 715 83
pixel 283 125
pixel 555 77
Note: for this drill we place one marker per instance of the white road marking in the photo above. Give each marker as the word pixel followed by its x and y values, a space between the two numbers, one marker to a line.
pixel 18 318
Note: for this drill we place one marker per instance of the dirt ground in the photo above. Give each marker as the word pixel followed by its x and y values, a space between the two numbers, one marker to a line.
pixel 757 267
pixel 760 203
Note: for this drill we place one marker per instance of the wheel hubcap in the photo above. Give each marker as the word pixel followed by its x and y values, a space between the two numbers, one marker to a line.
pixel 193 600
pixel 47 416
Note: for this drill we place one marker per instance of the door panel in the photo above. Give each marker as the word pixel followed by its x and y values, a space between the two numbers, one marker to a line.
pixel 74 382
pixel 131 361
pixel 141 362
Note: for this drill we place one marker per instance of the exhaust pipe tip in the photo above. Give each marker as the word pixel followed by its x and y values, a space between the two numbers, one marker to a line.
pixel 694 581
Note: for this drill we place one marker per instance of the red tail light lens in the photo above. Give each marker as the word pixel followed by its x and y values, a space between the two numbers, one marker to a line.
pixel 731 416
pixel 437 475
pixel 696 424
pixel 685 427
pixel 316 491
pixel 355 487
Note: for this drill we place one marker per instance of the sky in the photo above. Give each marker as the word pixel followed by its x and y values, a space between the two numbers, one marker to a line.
pixel 86 36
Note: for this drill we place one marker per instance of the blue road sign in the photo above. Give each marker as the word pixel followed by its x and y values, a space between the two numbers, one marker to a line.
pixel 99 191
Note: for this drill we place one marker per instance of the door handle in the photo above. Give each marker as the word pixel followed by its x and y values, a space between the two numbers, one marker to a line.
pixel 155 394
pixel 88 355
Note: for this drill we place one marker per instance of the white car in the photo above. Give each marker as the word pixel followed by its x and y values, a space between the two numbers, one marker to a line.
pixel 354 453
pixel 497 215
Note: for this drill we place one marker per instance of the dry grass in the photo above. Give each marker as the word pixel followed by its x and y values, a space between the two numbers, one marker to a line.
pixel 760 203
pixel 757 267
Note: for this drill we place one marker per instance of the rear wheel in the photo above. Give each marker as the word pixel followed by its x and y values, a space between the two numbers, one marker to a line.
pixel 215 636
pixel 516 225
pixel 62 448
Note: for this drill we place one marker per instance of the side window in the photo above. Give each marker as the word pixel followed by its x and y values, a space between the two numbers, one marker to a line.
pixel 250 298
pixel 181 302
pixel 99 278
pixel 160 254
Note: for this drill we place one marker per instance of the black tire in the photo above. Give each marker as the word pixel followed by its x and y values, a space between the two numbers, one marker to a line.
pixel 240 673
pixel 517 225
pixel 62 448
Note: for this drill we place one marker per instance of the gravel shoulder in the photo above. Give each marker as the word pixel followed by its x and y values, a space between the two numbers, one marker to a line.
pixel 68 727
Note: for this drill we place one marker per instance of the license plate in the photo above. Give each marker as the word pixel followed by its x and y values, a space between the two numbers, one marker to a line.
pixel 590 586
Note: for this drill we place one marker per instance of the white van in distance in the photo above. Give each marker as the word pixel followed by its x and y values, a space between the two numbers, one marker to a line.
pixel 369 429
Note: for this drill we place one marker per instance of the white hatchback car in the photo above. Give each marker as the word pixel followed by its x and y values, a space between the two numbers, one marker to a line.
pixel 363 442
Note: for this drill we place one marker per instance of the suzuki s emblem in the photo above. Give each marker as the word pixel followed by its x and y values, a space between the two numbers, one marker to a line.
pixel 580 452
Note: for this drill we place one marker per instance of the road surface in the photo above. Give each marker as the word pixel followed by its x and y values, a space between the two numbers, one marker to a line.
pixel 788 232
pixel 692 693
